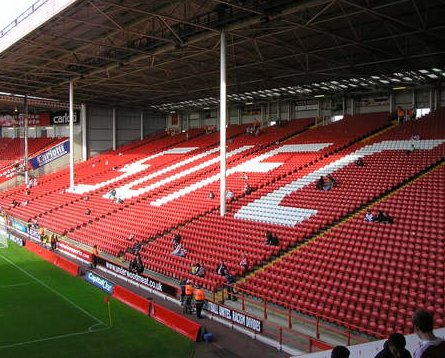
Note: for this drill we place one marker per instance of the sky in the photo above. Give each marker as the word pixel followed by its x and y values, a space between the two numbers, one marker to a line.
pixel 10 10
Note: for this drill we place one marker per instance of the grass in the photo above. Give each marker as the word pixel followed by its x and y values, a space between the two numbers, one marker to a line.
pixel 45 312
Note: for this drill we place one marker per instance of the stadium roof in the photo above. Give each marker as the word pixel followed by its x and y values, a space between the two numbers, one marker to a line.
pixel 153 53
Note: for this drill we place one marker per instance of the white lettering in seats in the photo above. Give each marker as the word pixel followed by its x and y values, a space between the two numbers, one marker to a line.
pixel 267 209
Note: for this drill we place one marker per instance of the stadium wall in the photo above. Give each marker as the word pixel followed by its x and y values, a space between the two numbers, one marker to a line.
pixel 316 107
pixel 64 264
pixel 99 130
pixel 128 126
pixel 128 123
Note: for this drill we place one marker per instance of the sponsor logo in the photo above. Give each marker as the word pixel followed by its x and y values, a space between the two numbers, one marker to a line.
pixel 34 235
pixel 99 282
pixel 64 117
pixel 51 154
pixel 19 226
pixel 16 240
pixel 155 285
pixel 236 317
pixel 76 252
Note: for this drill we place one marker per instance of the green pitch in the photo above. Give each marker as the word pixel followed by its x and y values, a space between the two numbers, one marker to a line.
pixel 45 312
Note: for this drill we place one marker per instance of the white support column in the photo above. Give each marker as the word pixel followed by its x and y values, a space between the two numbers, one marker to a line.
pixel 142 125
pixel 71 134
pixel 83 128
pixel 222 126
pixel 344 105
pixel 391 102
pixel 431 99
pixel 413 101
pixel 201 114
pixel 352 106
pixel 25 157
pixel 436 98
pixel 113 134
pixel 289 110
pixel 278 109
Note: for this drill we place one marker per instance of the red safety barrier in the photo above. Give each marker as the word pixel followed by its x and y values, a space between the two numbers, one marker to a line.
pixel 175 321
pixel 131 299
pixel 53 258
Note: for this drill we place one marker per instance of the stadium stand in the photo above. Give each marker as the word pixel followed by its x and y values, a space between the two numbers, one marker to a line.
pixel 11 149
pixel 177 202
pixel 371 276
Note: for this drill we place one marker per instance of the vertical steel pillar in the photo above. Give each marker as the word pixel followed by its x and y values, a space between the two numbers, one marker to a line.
pixel 222 125
pixel 71 134
pixel 25 125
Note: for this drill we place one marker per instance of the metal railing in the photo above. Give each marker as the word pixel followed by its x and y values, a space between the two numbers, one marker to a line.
pixel 28 12
pixel 296 327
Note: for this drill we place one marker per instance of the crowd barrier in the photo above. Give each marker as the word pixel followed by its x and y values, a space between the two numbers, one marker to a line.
pixel 131 299
pixel 175 321
pixel 53 258
pixel 317 327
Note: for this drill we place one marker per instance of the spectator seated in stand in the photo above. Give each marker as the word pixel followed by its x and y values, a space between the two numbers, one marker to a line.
pixel 201 271
pixel 330 182
pixel 85 198
pixel 198 270
pixel 247 189
pixel 411 149
pixel 359 162
pixel 34 223
pixel 244 264
pixel 320 184
pixel 394 347
pixel 221 269
pixel 176 241
pixel 130 237
pixel 180 251
pixel 24 202
pixel 383 218
pixel 230 281
pixel 229 196
pixel 136 265
pixel 118 200
pixel 121 256
pixel 369 216
pixel 137 247
pixel 195 268
pixel 87 212
pixel 211 195
pixel 271 239
pixel 14 203
pixel 112 194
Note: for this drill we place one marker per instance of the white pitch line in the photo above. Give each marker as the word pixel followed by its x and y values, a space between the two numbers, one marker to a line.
pixel 46 339
pixel 53 290
pixel 14 285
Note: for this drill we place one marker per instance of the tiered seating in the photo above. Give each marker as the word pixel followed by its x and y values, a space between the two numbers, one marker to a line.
pixel 12 149
pixel 357 185
pixel 369 274
pixel 204 238
pixel 146 220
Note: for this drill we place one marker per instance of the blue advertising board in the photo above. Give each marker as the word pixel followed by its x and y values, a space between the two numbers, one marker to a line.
pixel 19 226
pixel 99 282
pixel 51 154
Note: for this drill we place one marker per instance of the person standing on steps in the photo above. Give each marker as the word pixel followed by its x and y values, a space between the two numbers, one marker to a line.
pixel 200 299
